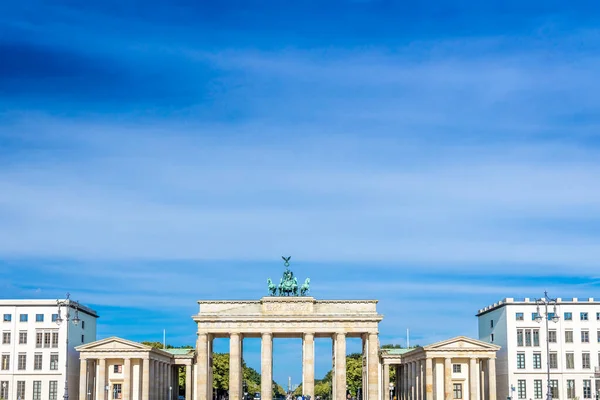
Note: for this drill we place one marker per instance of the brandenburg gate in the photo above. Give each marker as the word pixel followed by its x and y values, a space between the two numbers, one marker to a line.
pixel 288 312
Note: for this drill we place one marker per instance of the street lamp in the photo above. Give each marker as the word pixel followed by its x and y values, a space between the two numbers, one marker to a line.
pixel 546 301
pixel 391 391
pixel 171 392
pixel 67 304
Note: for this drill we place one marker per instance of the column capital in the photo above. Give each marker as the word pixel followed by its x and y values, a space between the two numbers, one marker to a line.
pixel 340 334
pixel 265 334
pixel 309 334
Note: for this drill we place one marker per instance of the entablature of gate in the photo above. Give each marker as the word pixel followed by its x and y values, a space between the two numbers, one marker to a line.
pixel 288 316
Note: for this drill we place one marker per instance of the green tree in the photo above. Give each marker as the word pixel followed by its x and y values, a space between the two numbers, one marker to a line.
pixel 323 389
pixel 353 373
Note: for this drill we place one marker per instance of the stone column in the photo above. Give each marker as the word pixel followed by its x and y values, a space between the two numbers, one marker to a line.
pixel 409 381
pixel 153 378
pixel 161 381
pixel 308 365
pixel 447 378
pixel 386 382
pixel 145 379
pixel 428 379
pixel 413 383
pixel 491 373
pixel 235 362
pixel 420 380
pixel 340 366
pixel 202 366
pixel 482 380
pixel 333 385
pixel 405 381
pixel 101 379
pixel 83 374
pixel 372 366
pixel 473 374
pixel 126 390
pixel 266 366
pixel 398 382
pixel 188 382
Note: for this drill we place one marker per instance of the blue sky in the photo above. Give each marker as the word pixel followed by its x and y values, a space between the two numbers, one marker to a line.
pixel 437 156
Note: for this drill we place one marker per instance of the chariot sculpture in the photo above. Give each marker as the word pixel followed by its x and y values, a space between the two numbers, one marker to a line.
pixel 288 284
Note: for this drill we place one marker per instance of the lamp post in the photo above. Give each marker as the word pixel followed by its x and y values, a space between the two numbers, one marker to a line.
pixel 391 391
pixel 545 302
pixel 67 304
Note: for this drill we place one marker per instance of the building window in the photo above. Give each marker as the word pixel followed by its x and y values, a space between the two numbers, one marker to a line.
pixel 522 389
pixel 53 361
pixel 583 316
pixel 598 316
pixel 552 336
pixel 53 389
pixel 570 389
pixel 536 338
pixel 47 336
pixel 37 361
pixel 534 316
pixel 553 360
pixel 587 389
pixel 521 360
pixel 23 337
pixel 537 360
pixel 54 317
pixel 585 361
pixel 519 316
pixel 38 339
pixel 568 336
pixel 5 362
pixel 537 388
pixel 54 339
pixel 82 324
pixel 22 362
pixel 568 316
pixel 4 390
pixel 457 390
pixel 598 335
pixel 39 317
pixel 570 360
pixel 7 318
pixel 5 337
pixel 554 388
pixel 520 337
pixel 491 337
pixel 585 336
pixel 21 390
pixel 82 338
pixel 117 391
pixel 23 318
pixel 528 337
pixel 37 390
pixel 117 369
pixel 491 323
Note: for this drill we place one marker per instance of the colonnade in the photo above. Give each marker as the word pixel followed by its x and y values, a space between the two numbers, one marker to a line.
pixel 130 378
pixel 204 365
pixel 432 379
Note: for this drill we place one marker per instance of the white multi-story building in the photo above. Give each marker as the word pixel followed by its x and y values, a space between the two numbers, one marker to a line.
pixel 33 349
pixel 573 343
